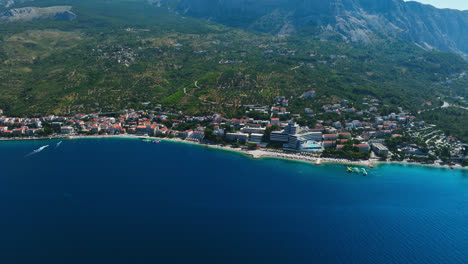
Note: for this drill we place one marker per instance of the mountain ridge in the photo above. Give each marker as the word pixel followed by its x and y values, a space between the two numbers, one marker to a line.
pixel 33 13
pixel 351 20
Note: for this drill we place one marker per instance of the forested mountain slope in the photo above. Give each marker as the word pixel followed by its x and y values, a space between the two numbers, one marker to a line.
pixel 128 53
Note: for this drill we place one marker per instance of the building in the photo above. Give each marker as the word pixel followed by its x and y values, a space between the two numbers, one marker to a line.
pixel 309 94
pixel 345 135
pixel 315 136
pixel 275 121
pixel 142 129
pixel 330 137
pixel 237 137
pixel 329 144
pixel 380 149
pixel 18 131
pixel 376 141
pixel 197 135
pixel 32 131
pixel 292 128
pixel 363 147
pixel 254 130
pixel 256 138
pixel 279 136
pixel 66 130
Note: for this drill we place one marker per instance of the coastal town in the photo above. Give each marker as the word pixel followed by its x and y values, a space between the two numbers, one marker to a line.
pixel 347 135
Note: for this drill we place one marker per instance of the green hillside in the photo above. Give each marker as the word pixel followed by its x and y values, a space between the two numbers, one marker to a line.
pixel 121 54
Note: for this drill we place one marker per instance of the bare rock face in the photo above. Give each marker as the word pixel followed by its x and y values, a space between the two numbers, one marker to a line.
pixel 32 13
pixel 8 3
pixel 352 20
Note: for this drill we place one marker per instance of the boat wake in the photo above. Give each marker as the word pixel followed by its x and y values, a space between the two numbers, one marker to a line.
pixel 37 150
pixel 58 144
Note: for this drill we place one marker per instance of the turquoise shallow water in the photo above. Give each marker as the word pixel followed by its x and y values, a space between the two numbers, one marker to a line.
pixel 125 201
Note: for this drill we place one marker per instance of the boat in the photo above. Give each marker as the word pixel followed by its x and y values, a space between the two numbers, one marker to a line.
pixel 157 141
pixel 364 172
pixel 356 170
pixel 349 169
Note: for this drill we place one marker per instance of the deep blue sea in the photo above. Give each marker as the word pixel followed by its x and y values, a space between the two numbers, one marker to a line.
pixel 125 201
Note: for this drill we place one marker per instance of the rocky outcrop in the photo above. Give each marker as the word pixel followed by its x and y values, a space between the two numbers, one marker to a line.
pixel 352 20
pixel 9 3
pixel 32 13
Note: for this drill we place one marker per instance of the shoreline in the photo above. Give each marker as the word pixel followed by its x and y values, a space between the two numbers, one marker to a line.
pixel 254 154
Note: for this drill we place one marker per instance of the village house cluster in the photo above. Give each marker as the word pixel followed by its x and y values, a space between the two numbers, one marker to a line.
pixel 118 53
pixel 367 133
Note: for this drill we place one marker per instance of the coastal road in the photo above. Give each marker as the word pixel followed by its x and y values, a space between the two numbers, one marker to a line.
pixel 445 105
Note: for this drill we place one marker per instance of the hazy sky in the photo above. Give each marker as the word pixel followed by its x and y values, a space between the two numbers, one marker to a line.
pixel 456 4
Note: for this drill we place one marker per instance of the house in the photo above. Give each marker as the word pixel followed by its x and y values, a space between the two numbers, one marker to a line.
pixel 357 123
pixel 66 130
pixel 18 131
pixel 350 110
pixel 345 135
pixel 330 137
pixel 309 94
pixel 329 144
pixel 275 121
pixel 32 131
pixel 141 129
pixel 187 133
pixel 308 111
pixel 1 112
pixel 363 147
pixel 197 135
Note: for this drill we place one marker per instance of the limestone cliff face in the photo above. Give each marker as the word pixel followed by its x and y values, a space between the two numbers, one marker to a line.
pixel 8 3
pixel 353 20
pixel 32 13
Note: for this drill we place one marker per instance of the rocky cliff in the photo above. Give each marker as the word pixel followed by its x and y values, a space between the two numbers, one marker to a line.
pixel 32 13
pixel 8 3
pixel 352 20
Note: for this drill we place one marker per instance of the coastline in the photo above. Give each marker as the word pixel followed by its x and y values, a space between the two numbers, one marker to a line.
pixel 254 154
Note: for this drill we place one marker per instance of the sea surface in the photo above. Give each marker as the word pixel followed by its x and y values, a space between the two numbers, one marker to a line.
pixel 126 201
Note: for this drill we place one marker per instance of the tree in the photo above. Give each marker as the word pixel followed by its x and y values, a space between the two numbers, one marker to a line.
pixel 383 156
pixel 464 162
pixel 252 146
